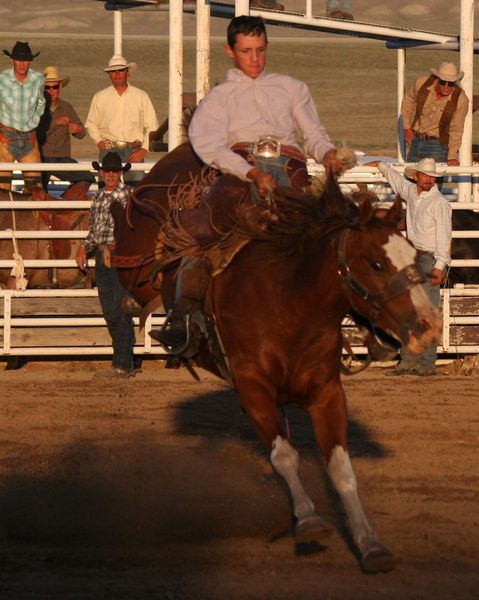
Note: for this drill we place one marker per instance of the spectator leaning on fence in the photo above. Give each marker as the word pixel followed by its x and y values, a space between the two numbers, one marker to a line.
pixel 121 116
pixel 433 112
pixel 21 106
pixel 428 224
pixel 58 122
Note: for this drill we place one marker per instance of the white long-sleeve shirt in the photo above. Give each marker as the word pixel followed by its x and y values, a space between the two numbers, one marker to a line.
pixel 242 109
pixel 428 216
pixel 121 118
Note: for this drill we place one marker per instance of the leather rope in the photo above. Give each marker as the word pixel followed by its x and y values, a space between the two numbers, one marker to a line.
pixel 18 270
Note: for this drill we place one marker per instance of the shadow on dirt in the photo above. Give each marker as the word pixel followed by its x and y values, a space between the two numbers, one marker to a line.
pixel 219 414
pixel 212 482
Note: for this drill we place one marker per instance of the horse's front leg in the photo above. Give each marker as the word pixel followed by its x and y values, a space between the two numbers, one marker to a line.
pixel 259 402
pixel 309 526
pixel 328 415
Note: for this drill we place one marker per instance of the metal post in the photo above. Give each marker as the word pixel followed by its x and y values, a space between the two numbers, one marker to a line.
pixel 309 8
pixel 203 20
pixel 117 32
pixel 466 64
pixel 401 61
pixel 176 74
pixel 241 7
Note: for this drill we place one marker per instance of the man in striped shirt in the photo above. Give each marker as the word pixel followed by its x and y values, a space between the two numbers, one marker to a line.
pixel 21 105
pixel 429 225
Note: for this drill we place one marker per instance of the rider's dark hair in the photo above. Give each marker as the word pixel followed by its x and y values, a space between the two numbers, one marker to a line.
pixel 246 25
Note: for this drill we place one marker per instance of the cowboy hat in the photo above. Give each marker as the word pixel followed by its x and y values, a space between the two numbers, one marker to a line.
pixel 51 74
pixel 426 166
pixel 448 72
pixel 117 62
pixel 111 162
pixel 21 51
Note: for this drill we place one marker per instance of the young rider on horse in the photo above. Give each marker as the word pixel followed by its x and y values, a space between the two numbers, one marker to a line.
pixel 247 127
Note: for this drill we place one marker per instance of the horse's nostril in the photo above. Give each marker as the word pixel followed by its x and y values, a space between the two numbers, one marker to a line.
pixel 424 325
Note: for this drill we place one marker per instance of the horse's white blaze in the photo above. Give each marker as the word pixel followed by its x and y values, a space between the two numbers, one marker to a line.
pixel 286 462
pixel 342 475
pixel 401 254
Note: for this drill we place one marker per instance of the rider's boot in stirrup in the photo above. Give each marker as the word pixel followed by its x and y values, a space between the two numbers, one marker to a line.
pixel 175 335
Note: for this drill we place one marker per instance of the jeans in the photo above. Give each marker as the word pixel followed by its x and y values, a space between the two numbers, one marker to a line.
pixel 426 361
pixel 119 323
pixel 7 155
pixel 427 149
pixel 342 5
pixel 132 178
pixel 71 176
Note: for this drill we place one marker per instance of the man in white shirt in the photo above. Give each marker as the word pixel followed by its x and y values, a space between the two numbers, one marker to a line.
pixel 252 106
pixel 247 127
pixel 121 117
pixel 429 224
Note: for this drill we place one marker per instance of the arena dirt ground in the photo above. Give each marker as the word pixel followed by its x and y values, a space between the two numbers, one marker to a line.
pixel 157 488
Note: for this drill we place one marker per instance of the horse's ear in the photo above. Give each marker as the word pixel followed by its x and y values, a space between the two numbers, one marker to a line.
pixel 366 211
pixel 394 214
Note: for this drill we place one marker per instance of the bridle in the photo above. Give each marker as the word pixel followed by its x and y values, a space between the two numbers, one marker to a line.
pixel 397 284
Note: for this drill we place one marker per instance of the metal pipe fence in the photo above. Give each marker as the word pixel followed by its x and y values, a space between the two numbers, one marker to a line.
pixel 15 329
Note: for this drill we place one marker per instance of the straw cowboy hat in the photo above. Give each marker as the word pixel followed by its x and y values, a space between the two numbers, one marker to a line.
pixel 426 166
pixel 448 72
pixel 51 74
pixel 21 51
pixel 111 162
pixel 117 62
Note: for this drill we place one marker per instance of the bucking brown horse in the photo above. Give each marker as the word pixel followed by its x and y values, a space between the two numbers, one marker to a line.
pixel 43 249
pixel 276 311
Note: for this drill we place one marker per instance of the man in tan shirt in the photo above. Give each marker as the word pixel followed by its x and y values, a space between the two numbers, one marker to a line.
pixel 433 113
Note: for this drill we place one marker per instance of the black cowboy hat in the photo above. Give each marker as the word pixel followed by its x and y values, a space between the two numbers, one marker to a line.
pixel 111 162
pixel 21 51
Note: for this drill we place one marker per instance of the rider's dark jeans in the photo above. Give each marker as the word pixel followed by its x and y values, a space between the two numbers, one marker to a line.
pixel 119 323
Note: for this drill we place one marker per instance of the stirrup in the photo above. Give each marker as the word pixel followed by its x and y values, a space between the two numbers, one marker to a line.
pixel 176 351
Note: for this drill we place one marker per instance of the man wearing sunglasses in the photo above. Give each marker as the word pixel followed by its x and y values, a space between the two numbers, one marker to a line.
pixel 433 112
pixel 57 124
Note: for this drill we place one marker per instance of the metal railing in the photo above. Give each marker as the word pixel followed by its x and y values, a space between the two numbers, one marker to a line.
pixel 11 323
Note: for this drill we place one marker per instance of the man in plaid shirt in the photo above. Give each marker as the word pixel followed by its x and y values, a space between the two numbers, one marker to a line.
pixel 99 241
pixel 21 105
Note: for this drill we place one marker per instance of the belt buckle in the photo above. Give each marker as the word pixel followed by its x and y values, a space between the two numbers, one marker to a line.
pixel 267 146
pixel 121 144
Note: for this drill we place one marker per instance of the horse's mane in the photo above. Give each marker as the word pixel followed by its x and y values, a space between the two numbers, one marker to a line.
pixel 292 220
pixel 289 220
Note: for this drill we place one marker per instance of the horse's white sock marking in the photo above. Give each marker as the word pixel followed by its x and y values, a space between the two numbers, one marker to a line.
pixel 344 480
pixel 286 462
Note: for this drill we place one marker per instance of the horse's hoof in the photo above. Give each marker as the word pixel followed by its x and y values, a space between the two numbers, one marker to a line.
pixel 312 529
pixel 378 559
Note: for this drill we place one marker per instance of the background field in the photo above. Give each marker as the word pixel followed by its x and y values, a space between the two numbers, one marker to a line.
pixel 353 82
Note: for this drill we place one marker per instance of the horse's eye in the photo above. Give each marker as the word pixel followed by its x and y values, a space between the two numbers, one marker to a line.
pixel 377 266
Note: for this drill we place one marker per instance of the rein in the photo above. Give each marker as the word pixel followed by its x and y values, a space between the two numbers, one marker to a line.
pixel 399 283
